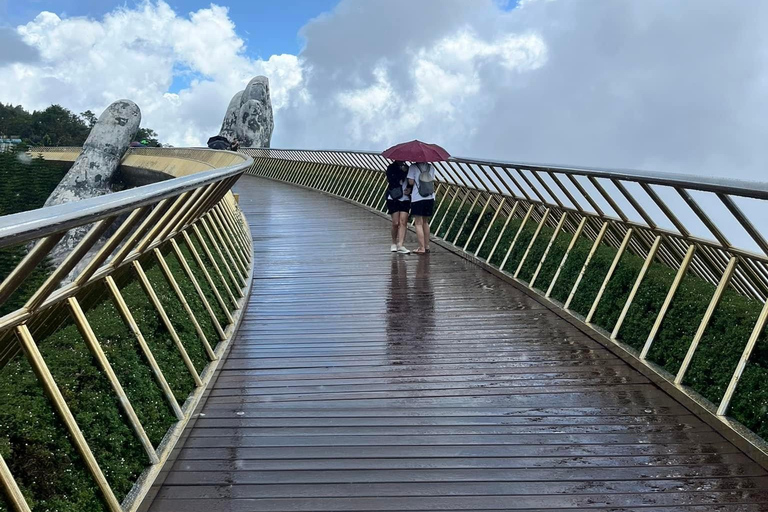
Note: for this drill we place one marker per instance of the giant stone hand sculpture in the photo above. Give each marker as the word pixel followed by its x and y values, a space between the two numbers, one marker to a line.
pixel 94 170
pixel 249 115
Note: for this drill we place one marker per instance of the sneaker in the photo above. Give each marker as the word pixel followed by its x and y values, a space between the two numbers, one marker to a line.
pixel 403 250
pixel 393 248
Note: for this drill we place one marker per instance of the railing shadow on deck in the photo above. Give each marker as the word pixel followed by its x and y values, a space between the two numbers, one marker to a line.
pixel 122 334
pixel 643 262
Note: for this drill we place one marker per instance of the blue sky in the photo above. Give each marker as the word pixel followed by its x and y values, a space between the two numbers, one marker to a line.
pixel 268 26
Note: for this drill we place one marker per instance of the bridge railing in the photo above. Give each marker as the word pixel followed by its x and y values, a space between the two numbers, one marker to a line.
pixel 647 259
pixel 182 248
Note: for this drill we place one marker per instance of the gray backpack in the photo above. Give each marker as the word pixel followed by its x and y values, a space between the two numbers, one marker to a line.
pixel 426 181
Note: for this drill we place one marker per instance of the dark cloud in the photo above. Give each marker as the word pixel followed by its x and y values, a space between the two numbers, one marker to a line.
pixel 13 49
pixel 661 84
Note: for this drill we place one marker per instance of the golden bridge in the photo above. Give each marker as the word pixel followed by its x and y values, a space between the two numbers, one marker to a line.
pixel 235 335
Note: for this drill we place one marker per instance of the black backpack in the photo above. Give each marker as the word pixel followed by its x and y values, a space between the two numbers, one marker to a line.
pixel 395 176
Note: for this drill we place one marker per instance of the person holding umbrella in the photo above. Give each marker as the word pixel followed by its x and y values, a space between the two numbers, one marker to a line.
pixel 421 183
pixel 398 204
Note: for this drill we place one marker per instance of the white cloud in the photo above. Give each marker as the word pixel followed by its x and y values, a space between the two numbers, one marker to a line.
pixel 654 84
pixel 135 53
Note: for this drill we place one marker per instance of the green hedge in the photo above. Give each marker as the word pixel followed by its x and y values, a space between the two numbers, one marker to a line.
pixel 25 184
pixel 720 348
pixel 32 440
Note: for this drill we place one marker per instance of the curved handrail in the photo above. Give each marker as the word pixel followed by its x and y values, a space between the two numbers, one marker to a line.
pixel 101 242
pixel 33 224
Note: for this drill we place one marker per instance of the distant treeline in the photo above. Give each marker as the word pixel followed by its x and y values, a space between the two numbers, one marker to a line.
pixel 55 126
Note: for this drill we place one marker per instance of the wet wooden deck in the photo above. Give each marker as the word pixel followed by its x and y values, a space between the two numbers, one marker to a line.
pixel 362 380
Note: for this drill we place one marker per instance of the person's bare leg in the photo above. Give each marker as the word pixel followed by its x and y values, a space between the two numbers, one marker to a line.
pixel 425 229
pixel 395 226
pixel 419 222
pixel 402 229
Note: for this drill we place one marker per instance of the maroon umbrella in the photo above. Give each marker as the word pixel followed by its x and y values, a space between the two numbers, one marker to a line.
pixel 416 151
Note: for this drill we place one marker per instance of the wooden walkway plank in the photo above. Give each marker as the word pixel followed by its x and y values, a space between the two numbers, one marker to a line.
pixel 362 380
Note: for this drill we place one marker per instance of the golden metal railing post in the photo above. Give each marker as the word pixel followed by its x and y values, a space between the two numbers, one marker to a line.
pixel 362 194
pixel 106 250
pixel 571 245
pixel 532 242
pixel 721 287
pixel 756 332
pixel 456 191
pixel 302 177
pixel 65 414
pixel 167 322
pixel 276 168
pixel 371 199
pixel 493 221
pixel 12 491
pixel 229 234
pixel 279 168
pixel 187 209
pixel 467 192
pixel 229 263
pixel 70 261
pixel 466 217
pixel 363 179
pixel 212 196
pixel 338 182
pixel 244 250
pixel 517 236
pixel 381 204
pixel 477 222
pixel 228 245
pixel 668 300
pixel 286 171
pixel 160 225
pixel 27 265
pixel 583 271
pixel 349 183
pixel 442 193
pixel 318 177
pixel 636 286
pixel 123 252
pixel 101 359
pixel 125 312
pixel 184 303
pixel 501 233
pixel 215 265
pixel 375 184
pixel 238 237
pixel 197 207
pixel 198 289
pixel 330 177
pixel 609 275
pixel 327 174
pixel 208 278
pixel 543 259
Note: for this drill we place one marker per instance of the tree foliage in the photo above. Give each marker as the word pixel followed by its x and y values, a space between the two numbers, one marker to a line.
pixel 55 126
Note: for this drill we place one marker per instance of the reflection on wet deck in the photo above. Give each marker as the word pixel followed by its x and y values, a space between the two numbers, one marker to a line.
pixel 363 380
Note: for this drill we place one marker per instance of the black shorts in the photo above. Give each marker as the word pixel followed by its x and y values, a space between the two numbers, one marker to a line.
pixel 423 208
pixel 394 206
